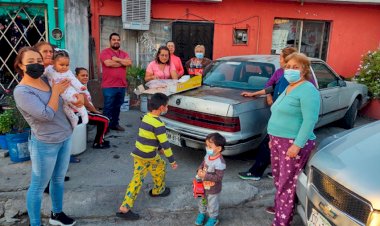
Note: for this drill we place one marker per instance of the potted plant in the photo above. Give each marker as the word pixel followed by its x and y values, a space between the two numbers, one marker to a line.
pixel 6 123
pixel 369 75
pixel 135 77
pixel 19 125
pixel 17 137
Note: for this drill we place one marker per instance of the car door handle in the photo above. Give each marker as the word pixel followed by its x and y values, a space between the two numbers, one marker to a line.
pixel 326 97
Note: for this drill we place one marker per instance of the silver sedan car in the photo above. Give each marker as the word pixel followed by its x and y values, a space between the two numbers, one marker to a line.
pixel 341 184
pixel 217 106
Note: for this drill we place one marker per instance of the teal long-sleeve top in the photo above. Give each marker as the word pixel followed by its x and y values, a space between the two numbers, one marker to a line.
pixel 295 114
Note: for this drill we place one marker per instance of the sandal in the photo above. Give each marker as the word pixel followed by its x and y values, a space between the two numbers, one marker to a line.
pixel 165 193
pixel 128 215
pixel 74 159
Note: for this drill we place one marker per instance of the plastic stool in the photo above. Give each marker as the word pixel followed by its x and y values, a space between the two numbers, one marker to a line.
pixel 79 139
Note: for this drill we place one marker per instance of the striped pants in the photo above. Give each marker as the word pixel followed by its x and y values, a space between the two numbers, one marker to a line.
pixel 285 174
pixel 156 167
pixel 101 122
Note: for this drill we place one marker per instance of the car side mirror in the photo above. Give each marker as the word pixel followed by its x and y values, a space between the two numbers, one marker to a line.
pixel 342 83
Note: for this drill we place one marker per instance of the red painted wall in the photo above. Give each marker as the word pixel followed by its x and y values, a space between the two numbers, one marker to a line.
pixel 354 28
pixel 102 8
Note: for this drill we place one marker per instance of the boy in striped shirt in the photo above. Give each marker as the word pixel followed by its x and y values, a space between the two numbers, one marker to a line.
pixel 150 140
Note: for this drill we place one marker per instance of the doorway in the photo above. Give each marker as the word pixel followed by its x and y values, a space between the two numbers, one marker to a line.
pixel 186 35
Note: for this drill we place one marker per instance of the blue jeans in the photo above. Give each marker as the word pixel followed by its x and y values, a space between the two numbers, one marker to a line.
pixel 113 99
pixel 49 162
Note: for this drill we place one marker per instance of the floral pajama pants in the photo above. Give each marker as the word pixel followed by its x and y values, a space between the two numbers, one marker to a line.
pixel 156 167
pixel 285 173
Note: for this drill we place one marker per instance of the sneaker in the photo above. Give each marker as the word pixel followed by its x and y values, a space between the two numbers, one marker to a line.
pixel 74 159
pixel 200 219
pixel 106 142
pixel 128 215
pixel 270 175
pixel 101 146
pixel 270 210
pixel 165 193
pixel 212 221
pixel 248 176
pixel 61 219
pixel 118 128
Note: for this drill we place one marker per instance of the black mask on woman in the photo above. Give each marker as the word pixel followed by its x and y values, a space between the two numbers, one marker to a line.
pixel 35 70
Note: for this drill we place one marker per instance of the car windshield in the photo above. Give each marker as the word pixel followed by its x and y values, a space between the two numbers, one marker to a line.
pixel 239 74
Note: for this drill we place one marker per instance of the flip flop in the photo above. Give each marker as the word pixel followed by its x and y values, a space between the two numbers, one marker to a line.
pixel 74 159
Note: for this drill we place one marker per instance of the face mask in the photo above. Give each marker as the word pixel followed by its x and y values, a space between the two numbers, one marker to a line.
pixel 35 70
pixel 164 112
pixel 199 55
pixel 292 75
pixel 209 151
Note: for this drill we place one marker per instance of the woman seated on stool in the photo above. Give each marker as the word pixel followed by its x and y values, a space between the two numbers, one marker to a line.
pixel 161 67
pixel 94 116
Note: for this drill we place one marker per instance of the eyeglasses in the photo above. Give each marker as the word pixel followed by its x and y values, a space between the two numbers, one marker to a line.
pixel 292 67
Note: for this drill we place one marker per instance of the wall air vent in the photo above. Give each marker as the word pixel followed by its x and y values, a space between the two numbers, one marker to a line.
pixel 136 14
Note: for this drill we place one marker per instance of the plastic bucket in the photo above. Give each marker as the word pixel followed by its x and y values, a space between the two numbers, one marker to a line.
pixel 18 146
pixel 144 103
pixel 3 142
pixel 125 105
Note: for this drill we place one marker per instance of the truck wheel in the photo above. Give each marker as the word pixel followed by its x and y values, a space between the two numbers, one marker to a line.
pixel 349 118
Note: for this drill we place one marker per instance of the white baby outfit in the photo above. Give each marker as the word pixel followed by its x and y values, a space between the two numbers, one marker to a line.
pixel 68 95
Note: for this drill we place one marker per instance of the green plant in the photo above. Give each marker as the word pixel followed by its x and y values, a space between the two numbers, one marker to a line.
pixel 136 74
pixel 6 121
pixel 18 123
pixel 135 77
pixel 369 73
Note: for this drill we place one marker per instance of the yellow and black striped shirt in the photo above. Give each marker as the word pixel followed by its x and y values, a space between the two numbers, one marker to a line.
pixel 152 136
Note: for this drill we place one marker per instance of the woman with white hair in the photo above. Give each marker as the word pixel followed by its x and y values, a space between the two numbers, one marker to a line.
pixel 197 64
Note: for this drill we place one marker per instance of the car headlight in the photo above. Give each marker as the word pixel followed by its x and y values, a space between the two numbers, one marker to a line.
pixel 374 218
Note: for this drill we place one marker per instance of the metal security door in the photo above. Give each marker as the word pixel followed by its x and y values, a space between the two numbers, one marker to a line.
pixel 186 35
pixel 20 25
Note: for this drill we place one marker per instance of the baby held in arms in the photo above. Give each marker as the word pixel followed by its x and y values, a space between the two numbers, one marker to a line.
pixel 59 71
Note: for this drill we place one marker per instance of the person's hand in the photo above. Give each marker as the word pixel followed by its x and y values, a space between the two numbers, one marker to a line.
pixel 270 145
pixel 201 174
pixel 293 151
pixel 96 112
pixel 129 61
pixel 80 100
pixel 60 86
pixel 161 151
pixel 174 165
pixel 269 100
pixel 198 73
pixel 116 59
pixel 247 94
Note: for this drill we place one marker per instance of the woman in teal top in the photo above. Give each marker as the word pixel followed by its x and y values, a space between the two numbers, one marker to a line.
pixel 290 128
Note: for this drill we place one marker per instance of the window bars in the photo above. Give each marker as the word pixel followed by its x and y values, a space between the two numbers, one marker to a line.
pixel 20 25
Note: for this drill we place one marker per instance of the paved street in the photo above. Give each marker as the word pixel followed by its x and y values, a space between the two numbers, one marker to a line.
pixel 98 182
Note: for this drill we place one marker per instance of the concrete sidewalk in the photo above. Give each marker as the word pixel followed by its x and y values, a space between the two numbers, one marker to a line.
pixel 97 184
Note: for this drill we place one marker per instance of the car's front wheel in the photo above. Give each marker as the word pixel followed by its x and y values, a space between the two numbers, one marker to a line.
pixel 348 121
